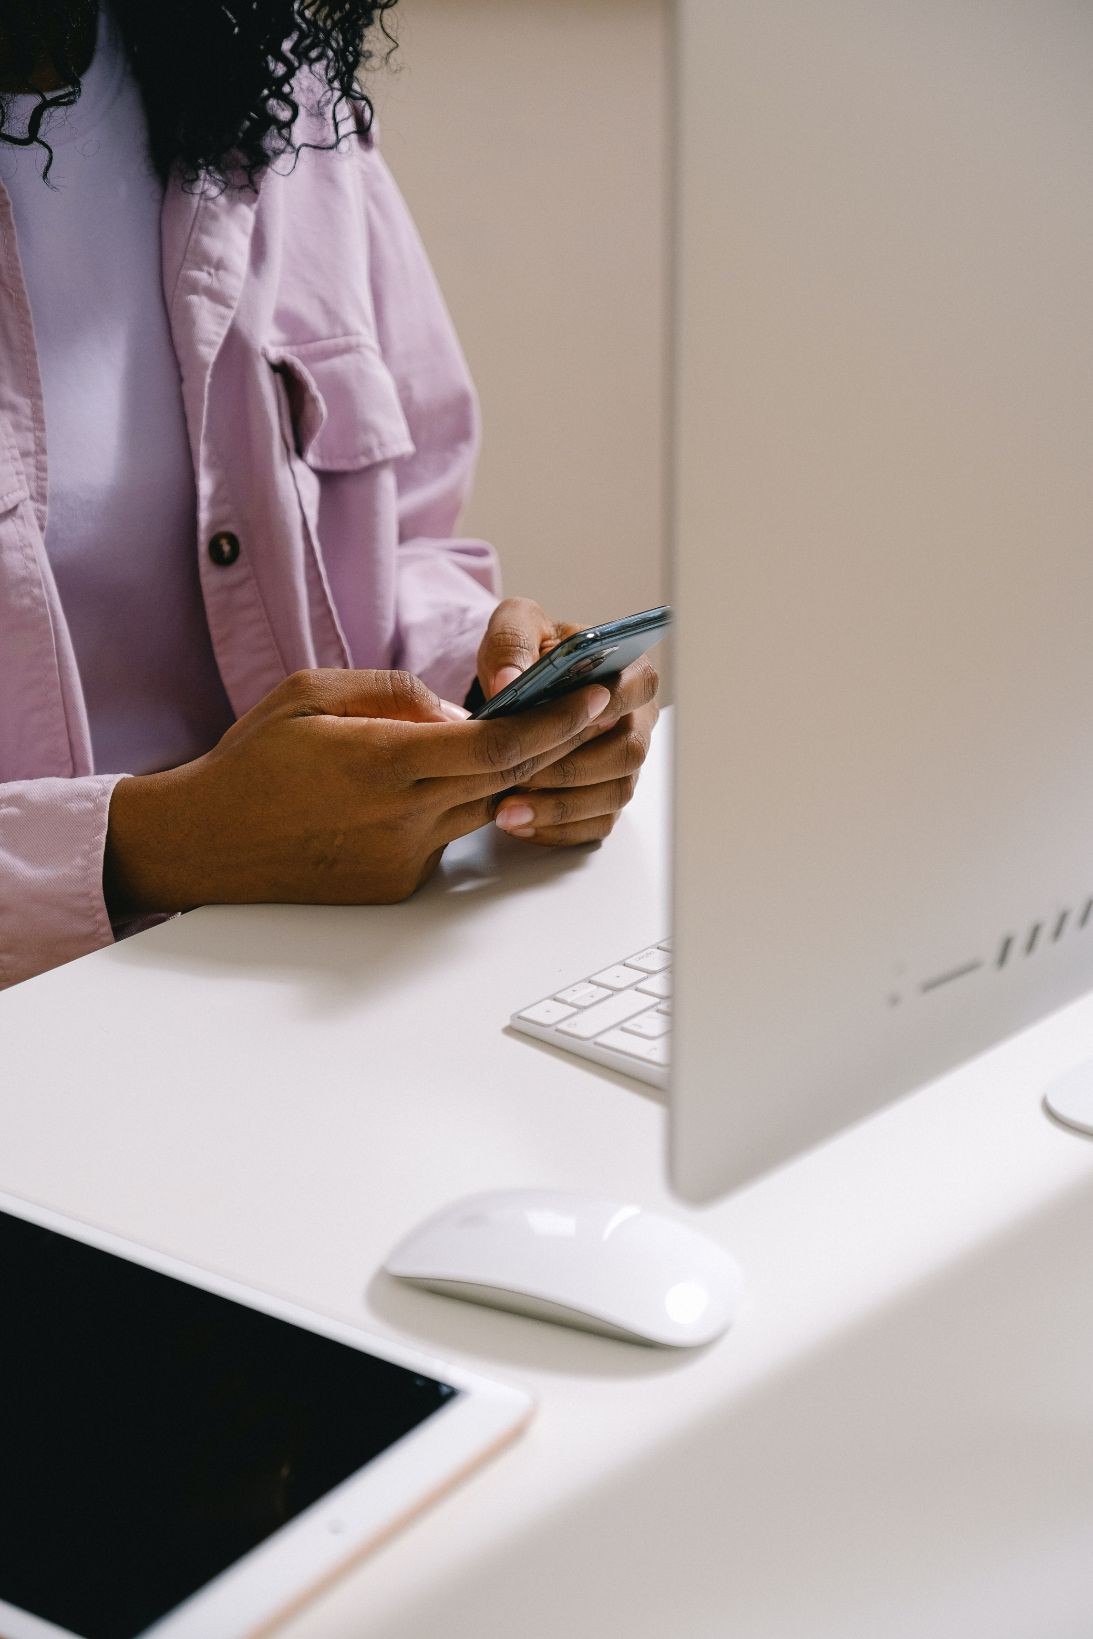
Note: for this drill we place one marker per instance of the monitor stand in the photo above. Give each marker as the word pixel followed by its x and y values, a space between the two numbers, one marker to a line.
pixel 1069 1098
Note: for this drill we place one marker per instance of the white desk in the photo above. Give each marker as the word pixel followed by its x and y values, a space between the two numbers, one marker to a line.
pixel 897 1437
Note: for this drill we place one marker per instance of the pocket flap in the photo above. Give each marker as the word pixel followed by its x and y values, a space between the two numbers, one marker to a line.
pixel 343 402
pixel 13 480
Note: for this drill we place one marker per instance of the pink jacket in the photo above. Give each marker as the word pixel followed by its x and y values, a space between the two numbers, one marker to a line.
pixel 333 428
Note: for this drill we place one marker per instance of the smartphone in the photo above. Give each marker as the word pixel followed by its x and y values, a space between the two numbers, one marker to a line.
pixel 591 656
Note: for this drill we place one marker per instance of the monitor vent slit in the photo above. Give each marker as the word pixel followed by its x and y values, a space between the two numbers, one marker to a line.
pixel 947 978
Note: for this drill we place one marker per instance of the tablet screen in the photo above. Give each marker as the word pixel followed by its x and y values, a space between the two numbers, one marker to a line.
pixel 152 1432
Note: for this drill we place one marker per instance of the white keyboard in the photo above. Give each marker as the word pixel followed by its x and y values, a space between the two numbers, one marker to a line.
pixel 621 1016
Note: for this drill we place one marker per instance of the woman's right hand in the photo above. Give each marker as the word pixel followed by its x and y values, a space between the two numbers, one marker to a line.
pixel 340 787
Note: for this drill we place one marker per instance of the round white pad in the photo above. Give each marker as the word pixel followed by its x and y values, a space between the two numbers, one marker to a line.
pixel 1070 1097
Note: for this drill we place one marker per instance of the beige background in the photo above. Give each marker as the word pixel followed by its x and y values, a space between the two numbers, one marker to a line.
pixel 529 139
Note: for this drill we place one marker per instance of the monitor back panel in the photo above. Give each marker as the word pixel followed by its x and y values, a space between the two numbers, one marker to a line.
pixel 883 521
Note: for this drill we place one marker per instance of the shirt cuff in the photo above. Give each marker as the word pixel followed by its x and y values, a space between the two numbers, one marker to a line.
pixel 52 841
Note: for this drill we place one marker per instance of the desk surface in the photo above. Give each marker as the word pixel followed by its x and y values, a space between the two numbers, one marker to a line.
pixel 897 1435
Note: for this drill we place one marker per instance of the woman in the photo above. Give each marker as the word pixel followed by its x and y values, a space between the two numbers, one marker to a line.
pixel 235 433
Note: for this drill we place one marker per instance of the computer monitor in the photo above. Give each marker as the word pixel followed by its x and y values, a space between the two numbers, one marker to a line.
pixel 883 535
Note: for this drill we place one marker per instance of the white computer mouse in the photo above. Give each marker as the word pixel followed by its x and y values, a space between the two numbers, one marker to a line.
pixel 605 1266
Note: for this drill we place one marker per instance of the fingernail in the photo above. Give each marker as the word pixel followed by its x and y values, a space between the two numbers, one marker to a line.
pixel 598 699
pixel 502 679
pixel 458 714
pixel 515 815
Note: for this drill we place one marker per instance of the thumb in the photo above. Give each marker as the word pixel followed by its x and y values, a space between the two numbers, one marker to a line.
pixel 390 694
pixel 514 638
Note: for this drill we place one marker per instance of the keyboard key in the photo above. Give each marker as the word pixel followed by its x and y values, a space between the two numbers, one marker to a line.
pixel 617 978
pixel 582 995
pixel 653 1023
pixel 546 1013
pixel 625 1007
pixel 606 1014
pixel 638 1047
pixel 657 984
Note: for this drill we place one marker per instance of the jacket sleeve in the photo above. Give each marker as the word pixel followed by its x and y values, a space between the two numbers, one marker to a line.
pixel 448 586
pixel 52 837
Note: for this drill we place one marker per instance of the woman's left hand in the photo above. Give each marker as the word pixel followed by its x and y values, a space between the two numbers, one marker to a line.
pixel 579 798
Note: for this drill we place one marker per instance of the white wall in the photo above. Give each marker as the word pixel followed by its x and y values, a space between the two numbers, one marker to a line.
pixel 529 139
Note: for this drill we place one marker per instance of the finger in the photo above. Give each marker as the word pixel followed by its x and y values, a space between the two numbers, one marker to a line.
pixel 621 751
pixel 517 778
pixel 514 640
pixel 571 836
pixel 636 686
pixel 396 695
pixel 491 755
pixel 466 817
pixel 480 794
pixel 521 815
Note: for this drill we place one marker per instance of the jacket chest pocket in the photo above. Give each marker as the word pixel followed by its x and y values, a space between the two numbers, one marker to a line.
pixel 43 722
pixel 13 480
pixel 341 425
pixel 340 407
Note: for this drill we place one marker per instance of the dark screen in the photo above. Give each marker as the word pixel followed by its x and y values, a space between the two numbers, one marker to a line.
pixel 151 1433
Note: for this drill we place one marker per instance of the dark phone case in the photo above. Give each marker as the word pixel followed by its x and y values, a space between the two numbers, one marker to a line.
pixel 591 656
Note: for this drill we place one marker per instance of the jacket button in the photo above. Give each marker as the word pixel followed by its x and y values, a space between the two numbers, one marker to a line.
pixel 224 548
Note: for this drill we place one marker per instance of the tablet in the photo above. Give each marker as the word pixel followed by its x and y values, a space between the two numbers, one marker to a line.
pixel 185 1458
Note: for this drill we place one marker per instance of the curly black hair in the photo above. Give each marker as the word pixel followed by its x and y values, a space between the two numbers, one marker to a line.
pixel 220 79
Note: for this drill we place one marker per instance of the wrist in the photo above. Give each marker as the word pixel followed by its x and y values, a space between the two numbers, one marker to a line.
pixel 145 862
